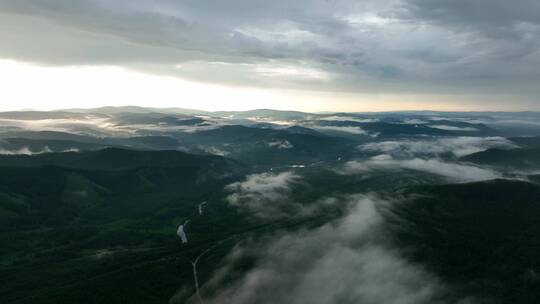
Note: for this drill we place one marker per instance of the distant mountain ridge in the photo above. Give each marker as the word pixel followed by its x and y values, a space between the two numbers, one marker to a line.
pixel 112 159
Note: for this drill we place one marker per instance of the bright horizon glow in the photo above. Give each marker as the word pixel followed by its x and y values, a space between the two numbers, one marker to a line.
pixel 38 87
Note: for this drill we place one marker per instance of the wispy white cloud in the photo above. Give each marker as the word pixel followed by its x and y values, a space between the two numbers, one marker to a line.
pixel 264 194
pixel 453 128
pixel 414 121
pixel 352 130
pixel 458 146
pixel 341 262
pixel 214 150
pixel 280 144
pixel 89 125
pixel 24 151
pixel 455 172
pixel 349 118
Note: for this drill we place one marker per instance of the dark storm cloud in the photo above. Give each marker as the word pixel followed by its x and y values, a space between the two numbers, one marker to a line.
pixel 496 18
pixel 399 46
pixel 502 38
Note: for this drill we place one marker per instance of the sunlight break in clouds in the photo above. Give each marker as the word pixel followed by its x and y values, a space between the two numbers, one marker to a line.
pixel 88 86
pixel 95 86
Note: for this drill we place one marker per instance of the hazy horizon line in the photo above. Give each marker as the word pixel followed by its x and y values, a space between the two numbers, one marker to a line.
pixel 258 109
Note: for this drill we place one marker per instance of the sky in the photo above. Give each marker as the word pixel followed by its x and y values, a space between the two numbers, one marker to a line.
pixel 318 55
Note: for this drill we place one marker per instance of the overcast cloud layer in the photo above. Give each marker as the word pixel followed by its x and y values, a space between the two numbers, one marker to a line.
pixel 448 47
